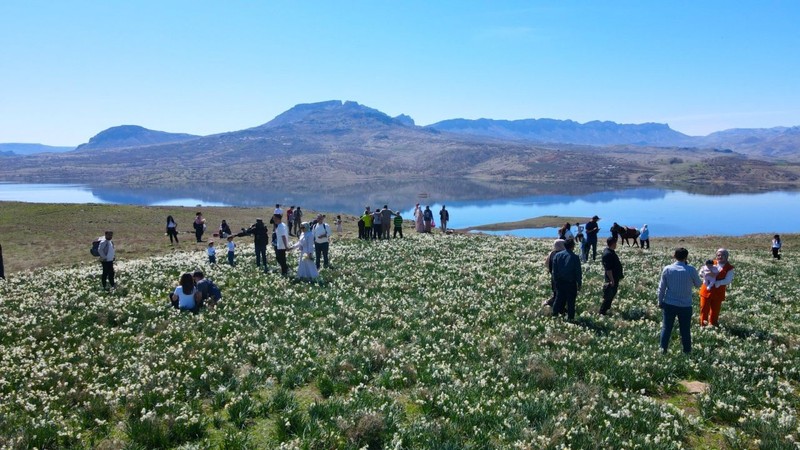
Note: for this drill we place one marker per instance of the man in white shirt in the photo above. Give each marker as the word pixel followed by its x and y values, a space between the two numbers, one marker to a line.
pixel 322 232
pixel 281 243
pixel 107 255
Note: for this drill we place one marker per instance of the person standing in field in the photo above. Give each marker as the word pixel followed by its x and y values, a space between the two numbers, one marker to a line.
pixel 419 222
pixel 2 267
pixel 444 217
pixel 579 235
pixel 260 239
pixel 568 277
pixel 398 224
pixel 306 269
pixel 427 217
pixel 644 236
pixel 281 242
pixel 212 253
pixel 367 218
pixel 322 233
pixel 339 226
pixel 298 220
pixel 377 224
pixel 613 274
pixel 107 257
pixel 386 221
pixel 712 296
pixel 231 251
pixel 558 246
pixel 172 230
pixel 199 226
pixel 591 240
pixel 675 289
pixel 290 219
pixel 776 247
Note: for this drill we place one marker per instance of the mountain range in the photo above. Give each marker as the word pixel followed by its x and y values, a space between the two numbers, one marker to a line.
pixel 337 140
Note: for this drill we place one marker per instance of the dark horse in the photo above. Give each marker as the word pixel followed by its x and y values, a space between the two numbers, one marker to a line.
pixel 623 233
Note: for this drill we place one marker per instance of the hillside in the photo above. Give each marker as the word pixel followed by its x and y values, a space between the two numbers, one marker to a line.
pixel 125 136
pixel 335 142
pixel 30 149
pixel 445 349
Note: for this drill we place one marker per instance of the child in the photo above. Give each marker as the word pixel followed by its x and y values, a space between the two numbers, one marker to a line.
pixel 776 247
pixel 212 253
pixel 231 247
pixel 339 224
pixel 709 274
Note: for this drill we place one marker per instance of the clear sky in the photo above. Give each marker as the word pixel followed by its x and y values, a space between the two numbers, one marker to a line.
pixel 70 69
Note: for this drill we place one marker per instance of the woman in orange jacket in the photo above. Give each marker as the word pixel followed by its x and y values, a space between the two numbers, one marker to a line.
pixel 711 297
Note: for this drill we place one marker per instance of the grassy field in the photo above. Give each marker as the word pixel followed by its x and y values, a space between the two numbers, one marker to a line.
pixel 433 341
pixel 34 235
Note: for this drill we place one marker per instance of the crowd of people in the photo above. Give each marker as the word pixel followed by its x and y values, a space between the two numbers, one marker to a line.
pixel 675 290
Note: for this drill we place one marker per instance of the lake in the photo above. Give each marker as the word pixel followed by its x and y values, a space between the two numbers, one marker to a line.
pixel 668 212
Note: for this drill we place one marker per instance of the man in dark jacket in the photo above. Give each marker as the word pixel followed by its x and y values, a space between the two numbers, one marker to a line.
pixel 568 278
pixel 260 239
pixel 613 273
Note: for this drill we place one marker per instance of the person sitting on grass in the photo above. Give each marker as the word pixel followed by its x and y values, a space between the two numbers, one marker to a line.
pixel 186 297
pixel 209 292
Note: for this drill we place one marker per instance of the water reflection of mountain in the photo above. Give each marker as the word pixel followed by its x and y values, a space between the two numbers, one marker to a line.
pixel 352 197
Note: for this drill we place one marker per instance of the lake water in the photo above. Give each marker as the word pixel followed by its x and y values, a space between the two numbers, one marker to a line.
pixel 667 212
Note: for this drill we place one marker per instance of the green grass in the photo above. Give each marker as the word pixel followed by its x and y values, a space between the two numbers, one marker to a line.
pixel 428 342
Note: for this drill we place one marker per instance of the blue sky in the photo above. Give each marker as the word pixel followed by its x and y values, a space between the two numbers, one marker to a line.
pixel 69 70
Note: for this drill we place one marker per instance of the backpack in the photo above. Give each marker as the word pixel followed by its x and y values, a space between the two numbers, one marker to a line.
pixel 95 250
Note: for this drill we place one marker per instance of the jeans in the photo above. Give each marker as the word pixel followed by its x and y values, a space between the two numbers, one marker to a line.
pixel 261 254
pixel 684 315
pixel 609 292
pixel 566 293
pixel 108 273
pixel 321 249
pixel 173 235
pixel 198 233
pixel 230 258
pixel 377 230
pixel 644 242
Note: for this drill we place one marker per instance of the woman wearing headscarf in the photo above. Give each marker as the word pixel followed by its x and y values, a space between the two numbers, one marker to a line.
pixel 420 224
pixel 711 297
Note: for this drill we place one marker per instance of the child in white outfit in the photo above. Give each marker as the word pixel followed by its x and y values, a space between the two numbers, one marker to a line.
pixel 709 274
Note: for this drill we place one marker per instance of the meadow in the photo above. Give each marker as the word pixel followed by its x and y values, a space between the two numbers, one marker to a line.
pixel 433 341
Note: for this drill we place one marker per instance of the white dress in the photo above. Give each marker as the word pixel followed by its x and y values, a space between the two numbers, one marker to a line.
pixel 306 268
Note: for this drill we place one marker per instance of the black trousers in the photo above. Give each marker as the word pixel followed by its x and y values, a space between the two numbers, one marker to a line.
pixel 108 273
pixel 280 255
pixel 566 293
pixel 321 250
pixel 398 230
pixel 609 292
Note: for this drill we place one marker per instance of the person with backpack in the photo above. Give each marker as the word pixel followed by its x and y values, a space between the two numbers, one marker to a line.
pixel 107 254
pixel 209 292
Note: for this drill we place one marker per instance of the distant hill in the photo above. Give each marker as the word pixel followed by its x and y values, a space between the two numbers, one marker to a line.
pixel 568 131
pixel 779 143
pixel 125 136
pixel 341 142
pixel 774 143
pixel 30 149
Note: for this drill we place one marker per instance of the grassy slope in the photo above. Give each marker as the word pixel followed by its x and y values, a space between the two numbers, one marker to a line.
pixel 35 235
pixel 430 342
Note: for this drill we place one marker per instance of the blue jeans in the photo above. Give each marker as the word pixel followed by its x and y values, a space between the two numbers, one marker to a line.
pixel 230 258
pixel 261 254
pixel 684 315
